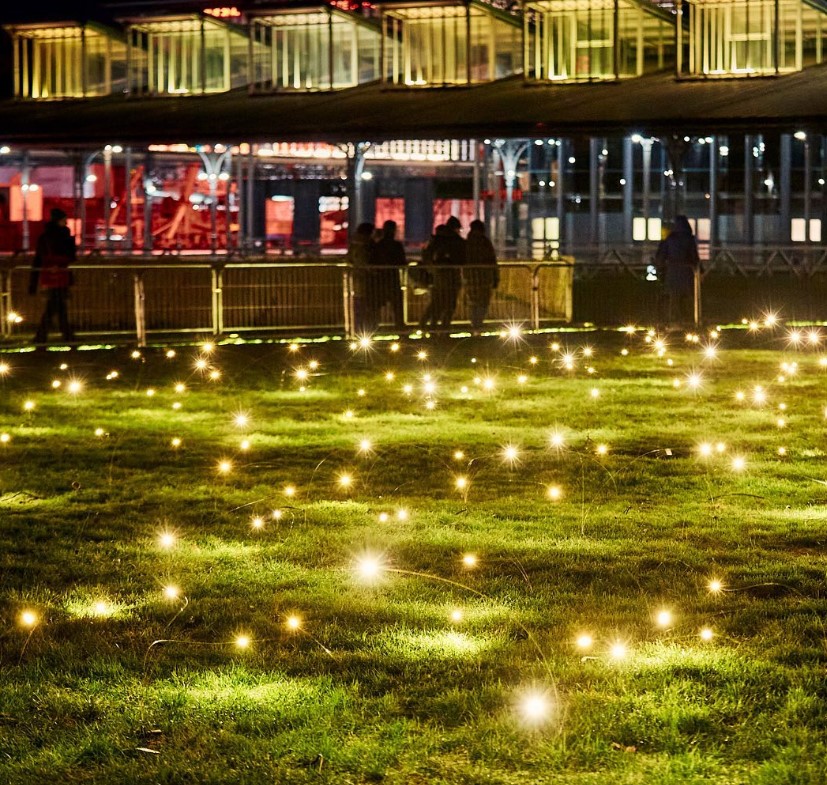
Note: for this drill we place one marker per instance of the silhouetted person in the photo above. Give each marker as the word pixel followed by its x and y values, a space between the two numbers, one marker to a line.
pixel 389 254
pixel 359 257
pixel 677 260
pixel 51 275
pixel 445 254
pixel 481 273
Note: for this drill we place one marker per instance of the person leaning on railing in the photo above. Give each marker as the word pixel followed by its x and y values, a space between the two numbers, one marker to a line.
pixel 481 274
pixel 51 275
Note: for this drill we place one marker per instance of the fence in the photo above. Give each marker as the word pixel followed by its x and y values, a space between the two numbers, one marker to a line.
pixel 134 298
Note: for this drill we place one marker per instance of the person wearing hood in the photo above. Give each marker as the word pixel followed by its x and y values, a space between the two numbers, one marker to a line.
pixel 677 262
pixel 51 276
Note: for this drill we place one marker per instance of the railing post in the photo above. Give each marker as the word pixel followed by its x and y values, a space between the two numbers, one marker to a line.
pixel 535 298
pixel 347 293
pixel 697 298
pixel 217 282
pixel 5 303
pixel 140 308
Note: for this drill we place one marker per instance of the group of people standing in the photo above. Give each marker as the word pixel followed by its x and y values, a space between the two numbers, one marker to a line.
pixel 448 262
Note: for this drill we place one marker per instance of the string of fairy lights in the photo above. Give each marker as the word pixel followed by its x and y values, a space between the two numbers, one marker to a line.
pixel 536 704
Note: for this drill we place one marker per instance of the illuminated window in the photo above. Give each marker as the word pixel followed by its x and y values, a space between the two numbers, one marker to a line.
pixel 588 40
pixel 317 50
pixel 741 37
pixel 67 61
pixel 448 44
pixel 185 55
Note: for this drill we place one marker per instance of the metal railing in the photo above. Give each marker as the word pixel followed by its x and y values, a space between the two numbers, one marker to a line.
pixel 208 297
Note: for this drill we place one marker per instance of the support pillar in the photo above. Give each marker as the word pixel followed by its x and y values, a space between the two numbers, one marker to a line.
pixel 107 197
pixel 714 152
pixel 595 147
pixel 130 241
pixel 148 189
pixel 628 189
pixel 562 158
pixel 785 191
pixel 25 176
pixel 749 234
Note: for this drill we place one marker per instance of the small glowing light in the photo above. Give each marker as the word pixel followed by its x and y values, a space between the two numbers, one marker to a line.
pixel 293 347
pixel 394 347
pixel 136 355
pixel 180 387
pixel 176 405
pixel 602 449
pixel 813 337
pixel 759 396
pixel 461 483
pixel 715 586
pixel 150 392
pixel 28 619
pixel 176 441
pixel 171 592
pixel 390 376
pixel 720 447
pixel 99 432
pixel 112 375
pixel 584 641
pixel 782 451
pixel 75 386
pixel 664 618
pixel 706 634
pixel 166 539
pixel 533 360
pixel 554 492
pixel 241 420
pixel 514 332
pixel 170 353
pixel 290 491
pixel 429 387
pixel 781 422
pixel 215 374
pixel 770 319
pixel 557 440
pixel 624 352
pixel 456 615
pixel 694 380
pixel 458 455
pixel 676 383
pixel 594 392
pixel 711 352
pixel 511 454
pixel 348 413
pixel 242 641
pixel 225 467
pixel 618 650
pixel 257 522
pixel 535 708
pixel 488 384
pixel 588 351
pixel 738 463
pixel 101 608
pixel 345 480
pixel 470 560
pixel 365 445
pixel 794 337
pixel 293 623
pixel 383 517
pixel 522 379
pixel 4 438
pixel 739 396
pixel 201 364
pixel 302 374
pixel 56 383
pixel 407 389
pixel 28 406
pixel 277 515
pixel 422 355
pixel 369 567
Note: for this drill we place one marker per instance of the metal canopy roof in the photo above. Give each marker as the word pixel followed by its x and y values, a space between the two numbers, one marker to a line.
pixel 655 103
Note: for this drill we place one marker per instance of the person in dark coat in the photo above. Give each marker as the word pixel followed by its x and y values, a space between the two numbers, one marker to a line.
pixel 51 275
pixel 677 262
pixel 445 254
pixel 481 273
pixel 389 254
pixel 359 255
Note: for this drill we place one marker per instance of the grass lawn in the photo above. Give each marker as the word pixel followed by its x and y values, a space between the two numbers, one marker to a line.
pixel 223 584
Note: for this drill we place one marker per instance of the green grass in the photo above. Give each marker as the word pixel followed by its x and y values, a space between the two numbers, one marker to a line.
pixel 380 684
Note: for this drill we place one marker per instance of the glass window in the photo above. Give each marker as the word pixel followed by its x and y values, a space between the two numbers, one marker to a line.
pixel 573 40
pixel 448 45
